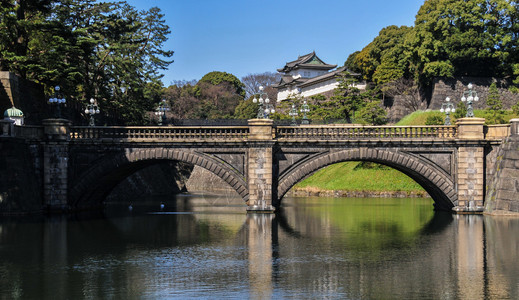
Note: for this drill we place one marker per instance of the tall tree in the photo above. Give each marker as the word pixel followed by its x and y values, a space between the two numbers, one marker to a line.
pixel 109 51
pixel 215 96
pixel 457 38
pixel 18 22
pixel 252 83
pixel 346 98
pixel 494 111
pixel 383 59
pixel 216 78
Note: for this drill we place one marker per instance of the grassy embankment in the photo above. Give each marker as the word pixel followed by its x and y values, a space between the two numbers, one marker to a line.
pixel 349 176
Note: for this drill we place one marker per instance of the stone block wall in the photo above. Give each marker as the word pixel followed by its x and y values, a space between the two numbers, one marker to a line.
pixel 454 88
pixel 503 188
pixel 168 178
pixel 20 177
pixel 203 181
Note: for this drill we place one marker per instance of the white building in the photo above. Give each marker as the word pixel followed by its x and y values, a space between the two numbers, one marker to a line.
pixel 308 76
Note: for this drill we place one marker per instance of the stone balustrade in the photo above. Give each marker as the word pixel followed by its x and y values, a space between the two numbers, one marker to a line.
pixel 313 132
pixel 500 131
pixel 169 133
pixel 334 132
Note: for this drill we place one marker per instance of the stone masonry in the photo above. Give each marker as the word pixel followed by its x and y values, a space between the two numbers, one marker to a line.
pixel 471 169
pixel 55 162
pixel 503 192
pixel 260 165
pixel 261 162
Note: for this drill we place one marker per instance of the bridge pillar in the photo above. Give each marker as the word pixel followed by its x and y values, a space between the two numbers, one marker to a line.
pixel 259 172
pixel 470 166
pixel 55 164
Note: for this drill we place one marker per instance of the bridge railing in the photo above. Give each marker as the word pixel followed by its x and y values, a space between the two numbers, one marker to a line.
pixel 497 131
pixel 344 132
pixel 165 132
pixel 32 132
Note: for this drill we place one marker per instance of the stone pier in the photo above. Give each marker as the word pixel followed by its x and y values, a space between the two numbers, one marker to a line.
pixel 470 165
pixel 260 166
pixel 55 162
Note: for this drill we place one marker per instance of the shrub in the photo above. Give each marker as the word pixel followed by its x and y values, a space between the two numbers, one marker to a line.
pixel 434 120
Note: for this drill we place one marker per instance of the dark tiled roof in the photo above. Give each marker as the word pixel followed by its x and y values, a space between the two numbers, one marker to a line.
pixel 303 82
pixel 327 76
pixel 289 80
pixel 305 61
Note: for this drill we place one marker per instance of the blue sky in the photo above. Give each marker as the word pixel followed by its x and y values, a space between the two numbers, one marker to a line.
pixel 251 36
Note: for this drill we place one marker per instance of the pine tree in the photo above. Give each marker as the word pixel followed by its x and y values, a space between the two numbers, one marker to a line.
pixel 494 111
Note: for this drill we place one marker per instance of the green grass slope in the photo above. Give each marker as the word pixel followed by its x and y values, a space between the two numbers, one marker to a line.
pixel 347 176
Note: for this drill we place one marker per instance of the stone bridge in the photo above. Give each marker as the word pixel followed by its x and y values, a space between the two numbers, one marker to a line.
pixel 81 165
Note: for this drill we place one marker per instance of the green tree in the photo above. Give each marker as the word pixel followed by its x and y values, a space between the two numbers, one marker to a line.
pixel 515 108
pixel 373 113
pixel 109 51
pixel 246 110
pixel 494 111
pixel 459 38
pixel 461 110
pixel 346 99
pixel 216 78
pixel 383 59
pixel 19 21
pixel 350 63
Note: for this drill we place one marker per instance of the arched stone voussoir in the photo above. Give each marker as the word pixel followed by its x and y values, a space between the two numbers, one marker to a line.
pixel 95 184
pixel 439 185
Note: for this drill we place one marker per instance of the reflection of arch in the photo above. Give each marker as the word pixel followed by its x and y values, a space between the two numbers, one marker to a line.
pixel 97 182
pixel 436 182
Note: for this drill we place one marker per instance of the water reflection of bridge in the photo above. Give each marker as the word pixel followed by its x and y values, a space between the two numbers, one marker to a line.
pixel 466 257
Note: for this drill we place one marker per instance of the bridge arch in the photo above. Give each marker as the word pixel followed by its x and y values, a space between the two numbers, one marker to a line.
pixel 98 181
pixel 435 181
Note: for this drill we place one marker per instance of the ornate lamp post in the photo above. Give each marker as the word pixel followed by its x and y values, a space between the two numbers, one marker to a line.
pixel 470 96
pixel 305 109
pixel 262 99
pixel 57 99
pixel 293 114
pixel 161 112
pixel 447 108
pixel 92 109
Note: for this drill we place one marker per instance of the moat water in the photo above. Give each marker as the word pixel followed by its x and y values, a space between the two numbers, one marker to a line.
pixel 313 248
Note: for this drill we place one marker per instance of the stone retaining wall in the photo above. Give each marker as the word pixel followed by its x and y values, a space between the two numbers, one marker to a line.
pixel 503 190
pixel 20 177
pixel 454 88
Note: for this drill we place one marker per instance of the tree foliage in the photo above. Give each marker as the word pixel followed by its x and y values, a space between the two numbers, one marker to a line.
pixel 216 96
pixel 463 38
pixel 383 59
pixel 407 89
pixel 373 113
pixel 109 51
pixel 216 78
pixel 346 98
pixel 494 111
pixel 434 120
pixel 252 83
pixel 450 38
